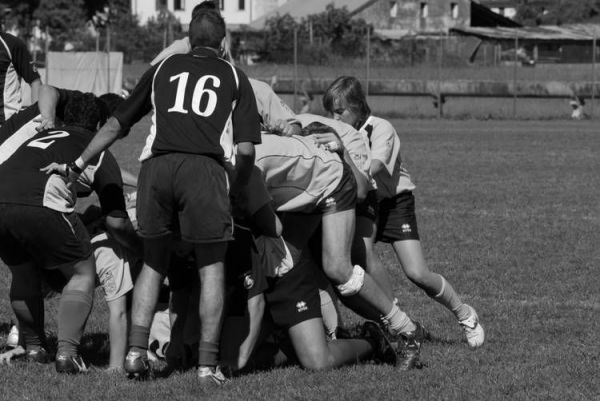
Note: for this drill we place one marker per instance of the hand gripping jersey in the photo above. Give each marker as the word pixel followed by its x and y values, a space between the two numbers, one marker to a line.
pixel 200 104
pixel 15 64
pixel 385 147
pixel 23 152
pixel 354 141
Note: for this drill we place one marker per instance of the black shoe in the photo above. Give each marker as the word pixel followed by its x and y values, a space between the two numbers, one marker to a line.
pixel 211 376
pixel 409 348
pixel 38 355
pixel 383 351
pixel 70 364
pixel 136 364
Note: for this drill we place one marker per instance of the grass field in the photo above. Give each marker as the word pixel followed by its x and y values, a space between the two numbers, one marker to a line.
pixel 508 212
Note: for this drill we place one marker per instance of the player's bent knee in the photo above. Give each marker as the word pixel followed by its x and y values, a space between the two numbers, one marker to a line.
pixel 354 284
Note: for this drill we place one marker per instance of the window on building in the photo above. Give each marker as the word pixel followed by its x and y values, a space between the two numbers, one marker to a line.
pixel 424 11
pixel 423 14
pixel 501 11
pixel 454 10
pixel 178 5
pixel 161 5
pixel 221 4
pixel 241 5
pixel 393 9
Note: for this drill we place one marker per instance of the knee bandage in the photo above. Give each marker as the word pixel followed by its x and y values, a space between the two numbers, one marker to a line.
pixel 354 284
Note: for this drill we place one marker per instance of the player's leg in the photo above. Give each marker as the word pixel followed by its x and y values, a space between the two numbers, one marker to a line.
pixel 210 262
pixel 154 209
pixel 314 352
pixel 145 297
pixel 363 253
pixel 28 305
pixel 201 188
pixel 73 311
pixel 400 228
pixel 411 258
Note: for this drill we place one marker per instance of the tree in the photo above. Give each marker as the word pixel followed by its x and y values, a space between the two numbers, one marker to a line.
pixel 558 12
pixel 65 20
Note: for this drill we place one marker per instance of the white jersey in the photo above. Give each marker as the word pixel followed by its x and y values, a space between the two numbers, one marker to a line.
pixel 298 173
pixel 385 147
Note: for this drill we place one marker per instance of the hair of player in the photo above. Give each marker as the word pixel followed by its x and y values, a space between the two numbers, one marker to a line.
pixel 82 110
pixel 205 5
pixel 207 28
pixel 108 103
pixel 347 91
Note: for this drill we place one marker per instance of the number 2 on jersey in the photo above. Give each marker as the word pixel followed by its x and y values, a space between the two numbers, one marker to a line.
pixel 200 91
pixel 45 141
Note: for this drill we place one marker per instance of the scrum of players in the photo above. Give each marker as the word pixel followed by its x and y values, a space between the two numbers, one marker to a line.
pixel 249 226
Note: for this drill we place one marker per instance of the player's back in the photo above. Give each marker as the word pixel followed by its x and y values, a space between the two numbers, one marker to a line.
pixel 193 95
pixel 22 182
pixel 298 173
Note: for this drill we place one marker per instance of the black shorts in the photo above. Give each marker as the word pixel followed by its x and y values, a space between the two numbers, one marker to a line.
pixel 187 194
pixel 369 207
pixel 49 238
pixel 343 197
pixel 294 297
pixel 397 220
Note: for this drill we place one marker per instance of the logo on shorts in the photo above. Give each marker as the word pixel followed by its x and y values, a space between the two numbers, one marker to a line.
pixel 248 281
pixel 330 202
pixel 370 210
pixel 301 306
pixel 406 228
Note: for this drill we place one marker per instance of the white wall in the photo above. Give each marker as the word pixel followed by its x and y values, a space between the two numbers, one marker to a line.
pixel 253 9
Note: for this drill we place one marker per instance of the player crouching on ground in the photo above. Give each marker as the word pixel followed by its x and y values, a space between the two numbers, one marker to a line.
pixel 272 285
pixel 38 227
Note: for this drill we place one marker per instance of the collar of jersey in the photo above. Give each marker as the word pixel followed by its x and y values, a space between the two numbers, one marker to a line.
pixel 205 52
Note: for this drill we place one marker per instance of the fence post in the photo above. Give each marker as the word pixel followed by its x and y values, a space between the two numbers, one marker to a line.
pixel 593 102
pixel 368 61
pixel 515 75
pixel 108 86
pixel 439 78
pixel 46 51
pixel 295 69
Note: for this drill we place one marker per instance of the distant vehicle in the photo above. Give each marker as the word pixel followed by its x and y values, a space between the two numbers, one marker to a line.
pixel 508 57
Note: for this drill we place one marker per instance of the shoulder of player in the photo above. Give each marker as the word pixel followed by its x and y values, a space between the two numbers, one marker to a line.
pixel 11 41
pixel 381 126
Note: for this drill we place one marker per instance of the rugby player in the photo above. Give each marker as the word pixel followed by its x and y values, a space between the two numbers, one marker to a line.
pixel 15 65
pixel 39 229
pixel 205 107
pixel 397 223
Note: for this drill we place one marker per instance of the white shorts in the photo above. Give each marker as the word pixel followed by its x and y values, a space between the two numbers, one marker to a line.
pixel 113 264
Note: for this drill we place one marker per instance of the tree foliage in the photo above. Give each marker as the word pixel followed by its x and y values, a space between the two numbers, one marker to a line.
pixel 558 12
pixel 332 32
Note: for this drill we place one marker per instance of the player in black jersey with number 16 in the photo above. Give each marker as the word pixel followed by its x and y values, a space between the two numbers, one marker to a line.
pixel 204 121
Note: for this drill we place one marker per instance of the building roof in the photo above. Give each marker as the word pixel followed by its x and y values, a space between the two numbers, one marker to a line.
pixel 543 33
pixel 299 9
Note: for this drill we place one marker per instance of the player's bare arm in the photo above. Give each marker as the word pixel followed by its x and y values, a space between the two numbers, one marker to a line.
pixel 48 99
pixel 256 308
pixel 243 166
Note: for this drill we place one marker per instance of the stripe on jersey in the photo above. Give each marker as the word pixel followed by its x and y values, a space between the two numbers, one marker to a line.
pixel 226 138
pixel 147 151
pixel 14 142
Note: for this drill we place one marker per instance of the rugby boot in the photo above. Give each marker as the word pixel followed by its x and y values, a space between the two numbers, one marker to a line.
pixel 383 351
pixel 409 348
pixel 12 340
pixel 211 376
pixel 70 364
pixel 473 329
pixel 38 355
pixel 136 364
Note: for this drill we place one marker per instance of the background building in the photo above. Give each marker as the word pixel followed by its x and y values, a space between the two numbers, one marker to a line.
pixel 235 12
